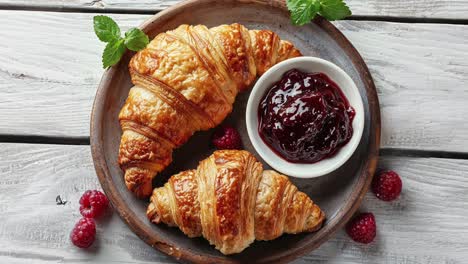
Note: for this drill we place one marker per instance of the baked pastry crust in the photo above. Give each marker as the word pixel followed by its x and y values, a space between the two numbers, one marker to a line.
pixel 186 80
pixel 231 201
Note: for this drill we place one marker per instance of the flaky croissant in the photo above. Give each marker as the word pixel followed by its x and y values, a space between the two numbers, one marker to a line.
pixel 185 81
pixel 231 201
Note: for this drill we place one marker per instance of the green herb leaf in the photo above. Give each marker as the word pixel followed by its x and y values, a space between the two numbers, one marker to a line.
pixel 135 39
pixel 106 29
pixel 302 11
pixel 334 9
pixel 113 53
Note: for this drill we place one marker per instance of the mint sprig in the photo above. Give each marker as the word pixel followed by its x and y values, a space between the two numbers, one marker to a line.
pixel 108 31
pixel 303 11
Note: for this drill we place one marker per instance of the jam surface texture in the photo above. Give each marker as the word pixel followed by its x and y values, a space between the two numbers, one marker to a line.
pixel 305 117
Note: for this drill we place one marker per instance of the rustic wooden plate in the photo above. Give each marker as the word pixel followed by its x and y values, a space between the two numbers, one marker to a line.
pixel 338 194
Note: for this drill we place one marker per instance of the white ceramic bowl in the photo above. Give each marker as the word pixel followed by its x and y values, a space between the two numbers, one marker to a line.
pixel 305 64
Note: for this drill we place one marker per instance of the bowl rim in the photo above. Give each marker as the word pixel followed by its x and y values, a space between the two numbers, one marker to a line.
pixel 303 170
pixel 163 244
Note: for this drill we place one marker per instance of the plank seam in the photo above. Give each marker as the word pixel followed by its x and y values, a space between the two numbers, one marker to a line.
pixel 398 152
pixel 410 20
pixel 137 11
pixel 55 140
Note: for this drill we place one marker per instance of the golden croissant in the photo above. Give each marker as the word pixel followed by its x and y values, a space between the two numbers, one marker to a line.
pixel 231 201
pixel 185 81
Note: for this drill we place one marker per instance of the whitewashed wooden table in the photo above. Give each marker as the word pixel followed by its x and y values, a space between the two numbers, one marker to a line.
pixel 417 51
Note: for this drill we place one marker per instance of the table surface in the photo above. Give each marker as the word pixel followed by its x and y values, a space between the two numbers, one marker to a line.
pixel 417 52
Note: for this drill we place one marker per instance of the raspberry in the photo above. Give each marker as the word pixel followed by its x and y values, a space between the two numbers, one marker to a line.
pixel 84 233
pixel 362 228
pixel 93 204
pixel 227 137
pixel 387 185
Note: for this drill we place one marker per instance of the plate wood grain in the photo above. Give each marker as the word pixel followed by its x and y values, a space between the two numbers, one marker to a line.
pixel 338 194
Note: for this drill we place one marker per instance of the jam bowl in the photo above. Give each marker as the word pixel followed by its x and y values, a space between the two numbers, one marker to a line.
pixel 305 117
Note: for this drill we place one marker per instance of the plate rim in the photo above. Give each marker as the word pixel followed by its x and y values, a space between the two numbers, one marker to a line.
pixel 183 254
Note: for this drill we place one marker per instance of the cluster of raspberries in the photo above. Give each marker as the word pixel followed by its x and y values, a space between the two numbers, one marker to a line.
pixel 386 185
pixel 93 204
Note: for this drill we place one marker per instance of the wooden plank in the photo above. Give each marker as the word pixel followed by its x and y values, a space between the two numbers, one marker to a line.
pixel 420 74
pixel 445 9
pixel 49 78
pixel 427 224
pixel 49 72
pixel 34 229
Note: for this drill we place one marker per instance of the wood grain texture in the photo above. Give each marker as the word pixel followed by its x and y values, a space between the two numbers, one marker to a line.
pixel 33 229
pixel 129 5
pixel 447 9
pixel 427 224
pixel 420 74
pixel 49 78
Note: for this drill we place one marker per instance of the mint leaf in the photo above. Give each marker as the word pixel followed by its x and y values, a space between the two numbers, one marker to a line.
pixel 334 9
pixel 113 53
pixel 135 39
pixel 302 11
pixel 106 29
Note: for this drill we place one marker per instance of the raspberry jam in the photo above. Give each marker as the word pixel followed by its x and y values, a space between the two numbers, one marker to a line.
pixel 305 117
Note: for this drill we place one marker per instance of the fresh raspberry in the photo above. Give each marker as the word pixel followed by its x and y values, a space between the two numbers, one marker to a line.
pixel 362 228
pixel 84 233
pixel 387 185
pixel 93 204
pixel 227 137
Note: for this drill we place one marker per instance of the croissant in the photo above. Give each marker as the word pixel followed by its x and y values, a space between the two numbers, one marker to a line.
pixel 231 201
pixel 185 81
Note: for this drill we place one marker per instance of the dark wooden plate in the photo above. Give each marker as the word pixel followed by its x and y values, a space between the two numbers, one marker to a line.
pixel 338 194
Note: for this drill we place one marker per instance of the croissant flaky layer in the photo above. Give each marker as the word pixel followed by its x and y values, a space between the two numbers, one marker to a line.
pixel 185 81
pixel 231 201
